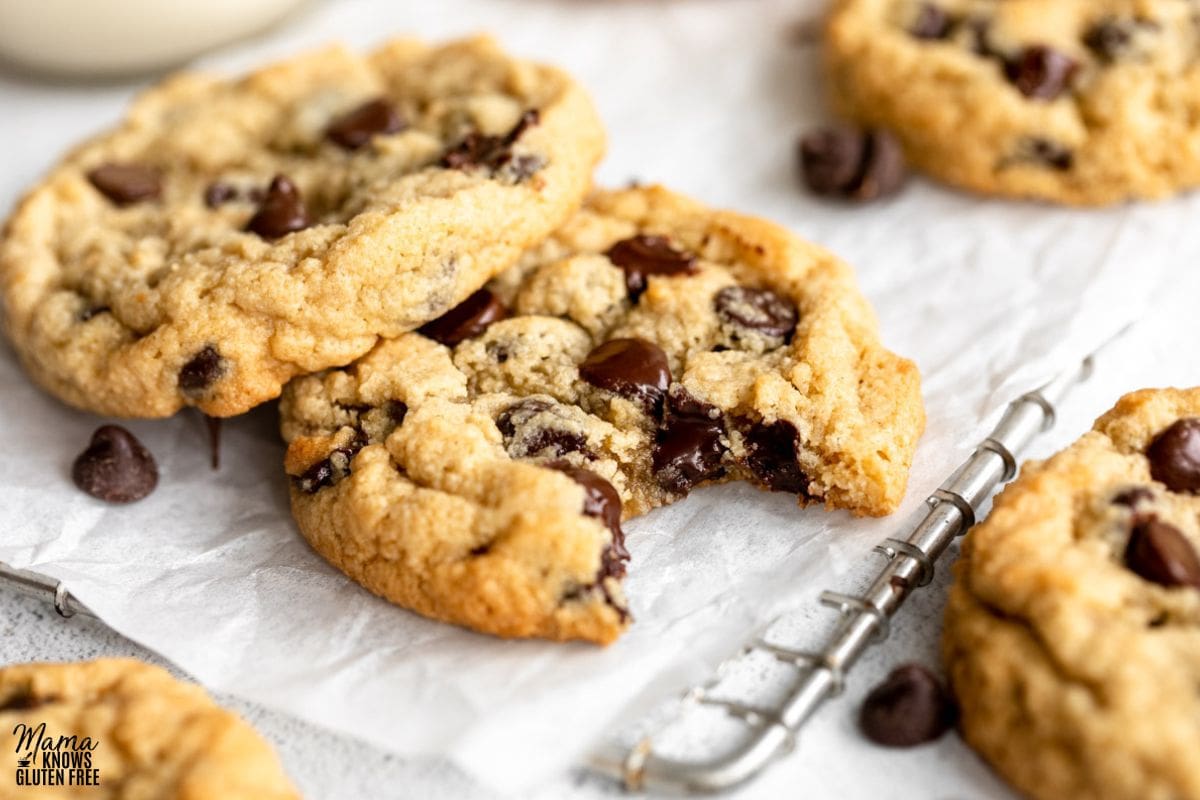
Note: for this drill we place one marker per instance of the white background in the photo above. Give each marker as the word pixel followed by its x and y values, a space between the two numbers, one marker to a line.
pixel 706 96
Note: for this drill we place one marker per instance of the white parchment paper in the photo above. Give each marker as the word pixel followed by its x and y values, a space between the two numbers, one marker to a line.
pixel 990 298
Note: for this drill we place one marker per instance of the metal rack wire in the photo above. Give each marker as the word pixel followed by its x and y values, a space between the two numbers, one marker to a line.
pixel 863 620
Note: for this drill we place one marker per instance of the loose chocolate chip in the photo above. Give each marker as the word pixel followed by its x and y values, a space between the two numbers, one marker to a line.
pixel 355 128
pixel 600 500
pixel 856 165
pixel 758 309
pixel 469 318
pixel 931 23
pixel 115 467
pixel 333 468
pixel 1041 73
pixel 771 456
pixel 687 451
pixel 633 368
pixel 202 371
pixel 909 708
pixel 125 184
pixel 1159 552
pixel 218 194
pixel 527 429
pixel 1175 456
pixel 1132 497
pixel 642 256
pixel 282 211
pixel 493 152
pixel 1111 37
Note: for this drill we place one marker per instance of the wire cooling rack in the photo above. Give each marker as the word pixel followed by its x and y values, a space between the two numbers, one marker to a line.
pixel 770 728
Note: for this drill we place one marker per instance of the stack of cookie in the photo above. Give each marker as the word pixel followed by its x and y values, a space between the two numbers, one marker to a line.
pixel 485 366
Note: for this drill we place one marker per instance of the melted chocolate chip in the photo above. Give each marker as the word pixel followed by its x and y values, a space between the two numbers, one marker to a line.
pixel 115 467
pixel 771 456
pixel 469 318
pixel 218 194
pixel 600 500
pixel 333 468
pixel 1159 552
pixel 493 152
pixel 202 371
pixel 1133 497
pixel 1041 73
pixel 355 128
pixel 758 309
pixel 632 368
pixel 1175 456
pixel 282 211
pixel 527 427
pixel 932 22
pixel 909 708
pixel 855 165
pixel 125 184
pixel 641 256
pixel 687 451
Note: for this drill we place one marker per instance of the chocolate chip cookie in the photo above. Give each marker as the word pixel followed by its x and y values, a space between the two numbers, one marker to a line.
pixel 231 234
pixel 1073 630
pixel 1084 102
pixel 118 728
pixel 477 471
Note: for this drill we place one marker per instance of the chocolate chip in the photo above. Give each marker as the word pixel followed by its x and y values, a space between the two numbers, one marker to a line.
pixel 469 318
pixel 115 467
pixel 202 371
pixel 333 468
pixel 931 23
pixel 1133 497
pixel 218 194
pixel 1175 456
pixel 396 411
pixel 1111 38
pixel 688 448
pixel 1159 552
pixel 1045 152
pixel 529 430
pixel 771 456
pixel 600 500
pixel 758 309
pixel 493 152
pixel 125 184
pixel 23 699
pixel 281 211
pixel 856 165
pixel 355 128
pixel 642 256
pixel 1040 72
pixel 632 368
pixel 909 708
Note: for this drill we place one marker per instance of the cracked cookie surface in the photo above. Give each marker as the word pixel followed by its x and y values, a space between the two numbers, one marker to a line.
pixel 154 736
pixel 1083 102
pixel 231 234
pixel 477 471
pixel 1072 634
